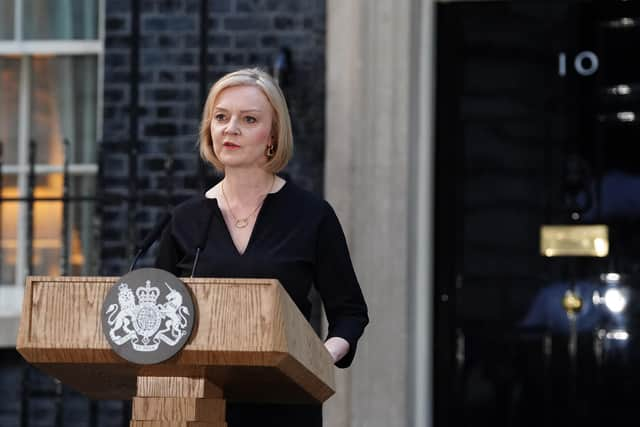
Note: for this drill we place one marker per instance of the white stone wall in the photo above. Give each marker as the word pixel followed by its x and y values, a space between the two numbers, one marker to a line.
pixel 377 176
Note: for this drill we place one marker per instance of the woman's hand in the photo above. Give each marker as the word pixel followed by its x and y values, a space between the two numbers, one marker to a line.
pixel 337 347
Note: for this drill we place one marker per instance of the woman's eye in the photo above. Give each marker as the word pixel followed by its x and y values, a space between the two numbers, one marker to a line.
pixel 250 119
pixel 219 117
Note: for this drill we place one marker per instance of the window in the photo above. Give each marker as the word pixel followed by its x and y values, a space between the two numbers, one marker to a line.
pixel 51 54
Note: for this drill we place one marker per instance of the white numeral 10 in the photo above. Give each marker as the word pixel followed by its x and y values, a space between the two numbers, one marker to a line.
pixel 585 63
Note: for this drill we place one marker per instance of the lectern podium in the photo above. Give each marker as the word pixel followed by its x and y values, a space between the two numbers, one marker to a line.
pixel 249 343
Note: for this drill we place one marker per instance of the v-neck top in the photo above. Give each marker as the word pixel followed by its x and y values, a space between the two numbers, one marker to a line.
pixel 296 239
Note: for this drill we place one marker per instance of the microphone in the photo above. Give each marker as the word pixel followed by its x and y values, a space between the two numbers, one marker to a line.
pixel 195 261
pixel 203 241
pixel 153 235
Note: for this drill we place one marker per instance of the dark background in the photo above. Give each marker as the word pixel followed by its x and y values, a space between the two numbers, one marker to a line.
pixel 518 146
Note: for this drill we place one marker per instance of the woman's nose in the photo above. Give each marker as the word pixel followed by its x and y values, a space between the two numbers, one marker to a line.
pixel 232 127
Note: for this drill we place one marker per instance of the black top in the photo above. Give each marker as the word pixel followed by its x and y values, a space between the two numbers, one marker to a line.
pixel 297 239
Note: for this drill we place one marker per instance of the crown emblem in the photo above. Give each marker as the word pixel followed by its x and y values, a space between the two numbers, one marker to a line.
pixel 147 294
pixel 144 321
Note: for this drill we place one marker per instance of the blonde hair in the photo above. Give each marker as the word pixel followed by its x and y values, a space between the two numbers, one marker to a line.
pixel 280 127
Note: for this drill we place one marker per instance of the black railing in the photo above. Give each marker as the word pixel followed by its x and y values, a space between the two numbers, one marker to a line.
pixel 101 198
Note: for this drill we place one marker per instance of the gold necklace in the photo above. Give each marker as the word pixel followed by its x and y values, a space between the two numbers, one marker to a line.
pixel 243 222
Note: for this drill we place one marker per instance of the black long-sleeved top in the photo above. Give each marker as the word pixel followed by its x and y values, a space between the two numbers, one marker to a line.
pixel 298 240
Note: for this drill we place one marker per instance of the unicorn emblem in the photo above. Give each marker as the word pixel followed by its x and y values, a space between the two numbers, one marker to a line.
pixel 174 313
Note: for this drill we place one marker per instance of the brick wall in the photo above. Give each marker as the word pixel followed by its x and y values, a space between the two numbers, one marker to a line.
pixel 240 33
pixel 26 389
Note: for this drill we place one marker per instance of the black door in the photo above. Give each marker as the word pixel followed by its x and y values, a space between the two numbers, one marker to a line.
pixel 538 122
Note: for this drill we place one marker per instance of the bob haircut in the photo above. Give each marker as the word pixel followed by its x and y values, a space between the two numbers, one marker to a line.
pixel 280 128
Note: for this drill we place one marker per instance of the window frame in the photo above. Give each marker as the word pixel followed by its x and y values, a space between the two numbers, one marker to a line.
pixel 25 51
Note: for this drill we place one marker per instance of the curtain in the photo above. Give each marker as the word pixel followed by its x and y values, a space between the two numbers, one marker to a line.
pixel 63 106
pixel 9 92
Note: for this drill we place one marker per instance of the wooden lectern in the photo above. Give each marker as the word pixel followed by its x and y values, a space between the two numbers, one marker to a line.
pixel 249 343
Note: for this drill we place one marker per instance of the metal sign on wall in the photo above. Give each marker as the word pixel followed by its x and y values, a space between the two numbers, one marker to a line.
pixel 148 316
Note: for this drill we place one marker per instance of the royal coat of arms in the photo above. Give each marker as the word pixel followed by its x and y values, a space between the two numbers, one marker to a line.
pixel 147 316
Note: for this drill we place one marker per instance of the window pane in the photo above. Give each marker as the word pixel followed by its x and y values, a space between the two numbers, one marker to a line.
pixel 63 105
pixel 8 232
pixel 47 226
pixel 60 19
pixel 83 258
pixel 9 82
pixel 6 19
pixel 48 243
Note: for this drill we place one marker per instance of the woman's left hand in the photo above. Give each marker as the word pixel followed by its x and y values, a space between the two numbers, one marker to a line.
pixel 337 347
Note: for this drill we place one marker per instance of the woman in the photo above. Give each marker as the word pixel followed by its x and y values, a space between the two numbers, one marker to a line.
pixel 255 224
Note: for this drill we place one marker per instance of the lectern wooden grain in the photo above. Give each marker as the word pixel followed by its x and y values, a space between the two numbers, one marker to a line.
pixel 250 343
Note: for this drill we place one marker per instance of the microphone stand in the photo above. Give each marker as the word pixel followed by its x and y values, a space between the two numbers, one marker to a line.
pixel 151 238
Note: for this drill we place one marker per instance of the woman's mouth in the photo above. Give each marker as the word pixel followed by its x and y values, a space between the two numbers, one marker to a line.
pixel 230 145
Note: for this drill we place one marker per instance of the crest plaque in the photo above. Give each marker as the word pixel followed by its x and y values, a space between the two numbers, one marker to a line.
pixel 148 316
